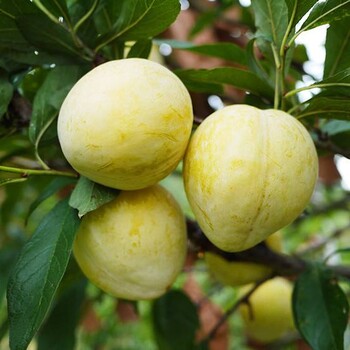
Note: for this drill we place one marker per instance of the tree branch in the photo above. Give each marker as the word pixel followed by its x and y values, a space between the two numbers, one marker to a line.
pixel 281 264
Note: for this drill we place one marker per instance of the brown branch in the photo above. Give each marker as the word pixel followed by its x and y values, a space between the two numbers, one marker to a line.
pixel 281 264
pixel 242 300
pixel 324 142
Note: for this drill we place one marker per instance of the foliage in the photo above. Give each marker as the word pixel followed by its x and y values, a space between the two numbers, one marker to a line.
pixel 46 46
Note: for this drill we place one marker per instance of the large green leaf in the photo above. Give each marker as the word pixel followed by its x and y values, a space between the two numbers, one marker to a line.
pixel 6 90
pixel 50 96
pixel 335 127
pixel 56 10
pixel 14 8
pixel 239 78
pixel 81 12
pixel 82 15
pixel 53 187
pixel 327 108
pixel 141 48
pixel 89 195
pixel 271 19
pixel 325 12
pixel 175 321
pixel 38 272
pixel 298 8
pixel 8 256
pixel 141 20
pixel 59 330
pixel 255 64
pixel 10 36
pixel 337 47
pixel 338 131
pixel 50 37
pixel 227 51
pixel 14 46
pixel 320 309
pixel 106 15
pixel 336 85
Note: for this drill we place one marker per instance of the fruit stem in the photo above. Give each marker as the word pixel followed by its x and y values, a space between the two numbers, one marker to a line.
pixel 283 50
pixel 277 77
pixel 27 172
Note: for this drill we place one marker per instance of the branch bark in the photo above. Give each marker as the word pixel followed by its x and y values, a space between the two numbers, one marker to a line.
pixel 281 264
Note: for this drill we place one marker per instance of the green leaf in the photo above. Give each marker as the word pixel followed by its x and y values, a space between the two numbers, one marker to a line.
pixel 32 81
pixel 88 196
pixel 298 9
pixel 271 19
pixel 227 51
pixel 55 185
pixel 48 36
pixel 59 330
pixel 325 12
pixel 4 328
pixel 336 85
pixel 54 10
pixel 141 48
pixel 255 64
pixel 13 45
pixel 327 108
pixel 174 314
pixel 50 96
pixel 239 78
pixel 141 20
pixel 8 256
pixel 337 47
pixel 6 90
pixel 335 127
pixel 38 272
pixel 338 131
pixel 82 14
pixel 320 309
pixel 10 36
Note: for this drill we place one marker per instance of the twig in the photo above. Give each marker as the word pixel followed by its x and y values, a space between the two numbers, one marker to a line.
pixel 242 300
pixel 328 145
pixel 322 242
pixel 281 264
pixel 323 141
pixel 28 172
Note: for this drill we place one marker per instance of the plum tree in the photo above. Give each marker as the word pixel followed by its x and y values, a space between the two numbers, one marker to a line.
pixel 89 125
pixel 134 246
pixel 126 123
pixel 248 173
